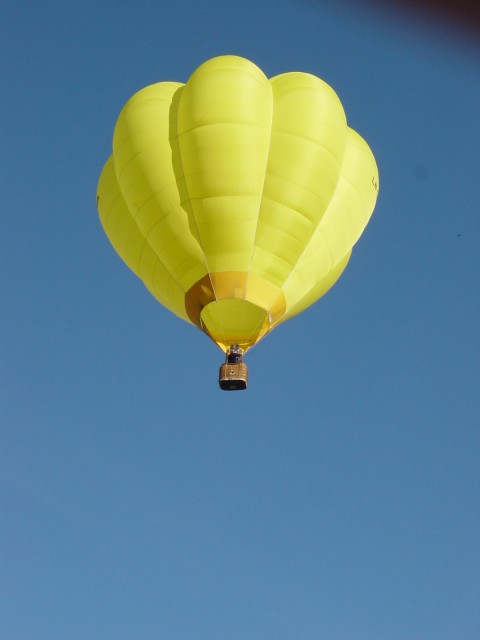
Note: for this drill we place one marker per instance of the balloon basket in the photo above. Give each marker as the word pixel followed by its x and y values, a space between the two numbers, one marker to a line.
pixel 233 376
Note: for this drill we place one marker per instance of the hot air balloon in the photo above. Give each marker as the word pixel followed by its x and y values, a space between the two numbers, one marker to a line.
pixel 236 199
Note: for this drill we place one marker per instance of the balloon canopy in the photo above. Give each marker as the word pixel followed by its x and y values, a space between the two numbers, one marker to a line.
pixel 236 198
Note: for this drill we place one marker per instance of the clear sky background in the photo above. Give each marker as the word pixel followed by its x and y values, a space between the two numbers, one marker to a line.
pixel 338 497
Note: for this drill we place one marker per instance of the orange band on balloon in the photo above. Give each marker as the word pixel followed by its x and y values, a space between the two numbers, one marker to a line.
pixel 235 285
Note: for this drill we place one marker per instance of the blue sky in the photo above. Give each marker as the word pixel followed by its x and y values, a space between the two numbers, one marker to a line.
pixel 337 497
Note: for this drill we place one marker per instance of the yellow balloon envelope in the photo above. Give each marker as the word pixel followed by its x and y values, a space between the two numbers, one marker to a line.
pixel 236 198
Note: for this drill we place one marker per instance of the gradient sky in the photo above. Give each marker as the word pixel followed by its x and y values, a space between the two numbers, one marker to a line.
pixel 338 497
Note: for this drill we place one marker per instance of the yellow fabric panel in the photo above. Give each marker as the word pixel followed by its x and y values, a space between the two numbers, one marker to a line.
pixel 224 123
pixel 233 322
pixel 132 246
pixel 318 290
pixel 144 146
pixel 348 213
pixel 306 152
pixel 116 220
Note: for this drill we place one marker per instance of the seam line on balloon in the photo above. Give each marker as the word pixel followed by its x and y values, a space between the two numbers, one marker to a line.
pixel 222 328
pixel 260 200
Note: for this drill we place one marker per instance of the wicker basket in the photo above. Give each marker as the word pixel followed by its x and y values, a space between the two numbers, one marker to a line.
pixel 233 377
